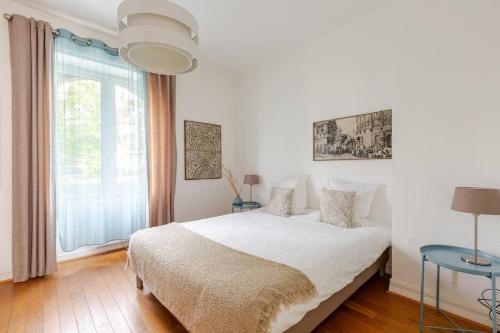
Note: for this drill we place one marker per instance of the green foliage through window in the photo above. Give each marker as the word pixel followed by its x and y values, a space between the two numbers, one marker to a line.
pixel 78 118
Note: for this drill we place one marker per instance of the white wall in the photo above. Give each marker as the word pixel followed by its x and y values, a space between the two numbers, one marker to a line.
pixel 436 63
pixel 447 87
pixel 332 77
pixel 205 95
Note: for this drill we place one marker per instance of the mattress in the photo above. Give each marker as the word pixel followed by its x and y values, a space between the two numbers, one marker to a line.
pixel 330 256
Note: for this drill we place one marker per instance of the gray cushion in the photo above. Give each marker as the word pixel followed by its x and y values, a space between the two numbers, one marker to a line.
pixel 337 207
pixel 280 202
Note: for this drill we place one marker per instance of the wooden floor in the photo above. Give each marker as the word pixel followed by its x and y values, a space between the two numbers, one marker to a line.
pixel 97 294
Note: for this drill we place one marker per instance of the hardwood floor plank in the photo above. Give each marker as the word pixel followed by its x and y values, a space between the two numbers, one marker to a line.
pixel 113 312
pixel 74 285
pixel 82 313
pixel 96 309
pixel 98 294
pixel 378 323
pixel 131 316
pixel 345 321
pixel 34 316
pixel 360 308
pixel 65 304
pixel 81 308
pixel 106 329
pixel 50 307
pixel 19 308
pixel 6 301
pixel 392 313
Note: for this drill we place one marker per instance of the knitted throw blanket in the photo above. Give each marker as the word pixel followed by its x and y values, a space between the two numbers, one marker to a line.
pixel 210 287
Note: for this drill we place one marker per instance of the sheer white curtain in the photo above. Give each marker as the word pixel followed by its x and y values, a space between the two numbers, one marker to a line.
pixel 100 143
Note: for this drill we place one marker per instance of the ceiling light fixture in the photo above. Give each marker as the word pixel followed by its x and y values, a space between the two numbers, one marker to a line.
pixel 158 36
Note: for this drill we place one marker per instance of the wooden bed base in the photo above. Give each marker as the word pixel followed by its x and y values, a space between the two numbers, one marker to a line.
pixel 314 317
pixel 138 283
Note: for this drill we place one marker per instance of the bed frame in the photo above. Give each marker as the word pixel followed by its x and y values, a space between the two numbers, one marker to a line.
pixel 314 317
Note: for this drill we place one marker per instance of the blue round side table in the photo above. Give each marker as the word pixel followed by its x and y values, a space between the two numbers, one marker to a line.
pixel 450 257
pixel 246 205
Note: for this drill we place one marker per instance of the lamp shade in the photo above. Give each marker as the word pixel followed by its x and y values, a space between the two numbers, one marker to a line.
pixel 251 179
pixel 476 200
pixel 158 36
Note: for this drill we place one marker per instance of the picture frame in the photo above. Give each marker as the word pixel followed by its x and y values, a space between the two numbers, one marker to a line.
pixel 202 150
pixel 365 136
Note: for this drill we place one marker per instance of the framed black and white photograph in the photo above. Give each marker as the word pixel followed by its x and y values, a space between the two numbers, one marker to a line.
pixel 362 137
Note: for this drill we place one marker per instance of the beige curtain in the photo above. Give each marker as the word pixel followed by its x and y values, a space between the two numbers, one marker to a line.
pixel 162 153
pixel 33 230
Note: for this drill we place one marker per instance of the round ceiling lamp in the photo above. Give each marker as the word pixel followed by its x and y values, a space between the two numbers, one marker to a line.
pixel 158 36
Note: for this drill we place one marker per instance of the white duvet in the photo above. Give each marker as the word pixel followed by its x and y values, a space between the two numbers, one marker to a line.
pixel 331 257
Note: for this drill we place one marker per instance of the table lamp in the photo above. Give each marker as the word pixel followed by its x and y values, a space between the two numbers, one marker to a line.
pixel 251 180
pixel 476 201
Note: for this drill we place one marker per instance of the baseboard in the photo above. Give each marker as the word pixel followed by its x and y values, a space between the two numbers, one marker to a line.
pixel 90 251
pixel 5 277
pixel 470 311
pixel 78 254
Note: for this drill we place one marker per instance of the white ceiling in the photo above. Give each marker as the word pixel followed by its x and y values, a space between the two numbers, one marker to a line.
pixel 236 34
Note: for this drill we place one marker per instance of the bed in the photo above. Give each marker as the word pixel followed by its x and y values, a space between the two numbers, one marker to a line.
pixel 336 260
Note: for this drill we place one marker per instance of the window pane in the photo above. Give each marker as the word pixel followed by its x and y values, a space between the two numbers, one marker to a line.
pixel 100 160
pixel 78 119
pixel 130 136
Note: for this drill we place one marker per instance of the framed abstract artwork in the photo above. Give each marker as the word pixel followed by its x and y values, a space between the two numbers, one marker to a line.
pixel 202 151
pixel 362 137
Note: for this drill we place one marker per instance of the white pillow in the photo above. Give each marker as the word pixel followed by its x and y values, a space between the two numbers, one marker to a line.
pixel 299 197
pixel 363 200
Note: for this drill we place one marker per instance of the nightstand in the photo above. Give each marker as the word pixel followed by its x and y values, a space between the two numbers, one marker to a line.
pixel 450 257
pixel 246 206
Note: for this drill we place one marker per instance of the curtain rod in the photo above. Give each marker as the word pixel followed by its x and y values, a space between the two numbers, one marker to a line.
pixel 8 17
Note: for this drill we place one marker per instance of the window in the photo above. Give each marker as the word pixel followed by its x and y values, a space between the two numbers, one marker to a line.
pixel 79 131
pixel 99 145
pixel 130 148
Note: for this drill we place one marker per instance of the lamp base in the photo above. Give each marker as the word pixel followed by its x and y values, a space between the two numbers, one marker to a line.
pixel 479 261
